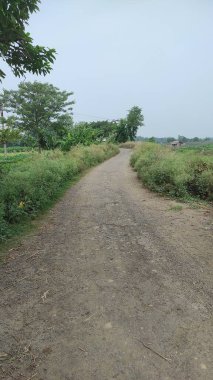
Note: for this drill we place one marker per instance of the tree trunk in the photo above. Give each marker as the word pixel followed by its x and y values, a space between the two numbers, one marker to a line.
pixel 5 148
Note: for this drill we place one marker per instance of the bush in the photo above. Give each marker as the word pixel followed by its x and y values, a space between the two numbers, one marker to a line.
pixel 167 171
pixel 29 187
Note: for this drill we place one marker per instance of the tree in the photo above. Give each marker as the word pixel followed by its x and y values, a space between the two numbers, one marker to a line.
pixel 16 45
pixel 41 110
pixel 7 132
pixel 135 120
pixel 82 134
pixel 182 139
pixel 170 139
pixel 104 128
pixel 121 134
pixel 126 129
pixel 195 139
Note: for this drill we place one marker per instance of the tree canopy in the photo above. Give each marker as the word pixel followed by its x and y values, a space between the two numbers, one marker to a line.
pixel 118 131
pixel 104 128
pixel 41 111
pixel 8 133
pixel 135 120
pixel 16 45
pixel 126 129
pixel 82 134
pixel 121 133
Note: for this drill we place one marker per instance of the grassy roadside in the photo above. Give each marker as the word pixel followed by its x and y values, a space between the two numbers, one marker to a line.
pixel 182 173
pixel 29 225
pixel 31 187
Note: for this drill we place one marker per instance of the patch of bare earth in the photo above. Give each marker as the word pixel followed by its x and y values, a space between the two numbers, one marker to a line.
pixel 116 284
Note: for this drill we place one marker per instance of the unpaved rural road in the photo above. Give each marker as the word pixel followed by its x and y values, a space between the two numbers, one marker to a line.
pixel 115 284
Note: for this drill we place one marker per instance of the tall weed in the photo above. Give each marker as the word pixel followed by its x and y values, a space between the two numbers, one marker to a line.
pixel 168 172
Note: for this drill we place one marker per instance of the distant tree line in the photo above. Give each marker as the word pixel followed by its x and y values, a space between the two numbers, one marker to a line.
pixel 40 115
pixel 116 131
pixel 168 140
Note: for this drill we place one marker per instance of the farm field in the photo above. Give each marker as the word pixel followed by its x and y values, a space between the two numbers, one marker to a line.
pixel 14 157
pixel 17 149
pixel 185 172
pixel 198 149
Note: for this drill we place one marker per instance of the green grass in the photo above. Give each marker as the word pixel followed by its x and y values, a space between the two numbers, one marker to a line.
pixel 17 149
pixel 29 187
pixel 13 157
pixel 185 173
pixel 200 150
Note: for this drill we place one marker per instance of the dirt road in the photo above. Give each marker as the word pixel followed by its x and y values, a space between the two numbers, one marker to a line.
pixel 114 285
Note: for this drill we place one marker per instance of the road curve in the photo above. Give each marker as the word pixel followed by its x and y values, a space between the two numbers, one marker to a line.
pixel 113 285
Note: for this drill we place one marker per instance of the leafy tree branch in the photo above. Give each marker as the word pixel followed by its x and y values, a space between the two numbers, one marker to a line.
pixel 16 45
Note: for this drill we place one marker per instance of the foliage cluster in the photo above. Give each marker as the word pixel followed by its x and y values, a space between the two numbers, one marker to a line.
pixel 126 129
pixel 80 134
pixel 29 186
pixel 16 45
pixel 41 113
pixel 179 173
pixel 116 131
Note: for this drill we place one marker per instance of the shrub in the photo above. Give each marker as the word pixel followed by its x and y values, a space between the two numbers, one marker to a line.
pixel 167 171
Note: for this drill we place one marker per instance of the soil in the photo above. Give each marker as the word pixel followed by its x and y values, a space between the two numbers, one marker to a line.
pixel 115 284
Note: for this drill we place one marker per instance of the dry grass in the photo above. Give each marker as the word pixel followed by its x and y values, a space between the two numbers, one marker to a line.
pixel 128 145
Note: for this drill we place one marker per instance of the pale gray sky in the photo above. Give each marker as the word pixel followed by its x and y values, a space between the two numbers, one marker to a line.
pixel 114 54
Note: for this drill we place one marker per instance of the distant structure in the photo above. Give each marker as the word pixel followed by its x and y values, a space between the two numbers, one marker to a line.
pixel 176 144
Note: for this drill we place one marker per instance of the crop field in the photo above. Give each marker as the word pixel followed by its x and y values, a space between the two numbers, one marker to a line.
pixel 17 149
pixel 185 172
pixel 199 149
pixel 31 181
pixel 11 158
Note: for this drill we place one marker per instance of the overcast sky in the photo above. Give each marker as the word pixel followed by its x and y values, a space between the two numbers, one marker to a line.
pixel 114 54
